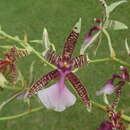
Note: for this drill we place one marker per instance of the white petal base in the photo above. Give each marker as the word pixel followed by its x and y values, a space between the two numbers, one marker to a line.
pixel 56 97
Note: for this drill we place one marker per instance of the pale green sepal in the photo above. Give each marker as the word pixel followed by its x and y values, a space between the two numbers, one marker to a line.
pixel 115 25
pixel 77 26
pixel 111 7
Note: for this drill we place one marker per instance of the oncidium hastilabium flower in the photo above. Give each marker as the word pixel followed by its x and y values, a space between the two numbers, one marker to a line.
pixel 9 62
pixel 58 96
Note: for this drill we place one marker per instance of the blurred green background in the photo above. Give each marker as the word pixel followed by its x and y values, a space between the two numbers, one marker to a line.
pixel 58 16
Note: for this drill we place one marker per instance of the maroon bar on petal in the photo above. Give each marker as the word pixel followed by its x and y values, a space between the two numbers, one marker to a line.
pixel 71 40
pixel 51 57
pixel 79 61
pixel 70 45
pixel 81 90
pixel 13 73
pixel 15 53
pixel 42 82
pixel 21 53
pixel 117 94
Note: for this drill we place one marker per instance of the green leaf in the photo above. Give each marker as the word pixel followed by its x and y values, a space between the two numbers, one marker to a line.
pixel 115 25
pixel 111 7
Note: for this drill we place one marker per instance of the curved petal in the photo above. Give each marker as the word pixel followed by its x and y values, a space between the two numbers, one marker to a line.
pixel 80 88
pixel 56 97
pixel 51 56
pixel 42 82
pixel 79 61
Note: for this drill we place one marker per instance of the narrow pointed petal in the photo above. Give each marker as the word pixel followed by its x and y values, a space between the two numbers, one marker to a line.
pixel 51 57
pixel 45 39
pixel 81 90
pixel 71 40
pixel 42 82
pixel 56 97
pixel 79 61
pixel 117 94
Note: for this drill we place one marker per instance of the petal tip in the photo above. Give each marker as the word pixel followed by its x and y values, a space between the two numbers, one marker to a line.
pixel 77 26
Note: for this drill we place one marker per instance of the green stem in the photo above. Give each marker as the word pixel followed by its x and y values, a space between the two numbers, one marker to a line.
pixel 100 60
pixel 21 114
pixel 8 100
pixel 101 107
pixel 115 59
pixel 120 62
pixel 13 88
pixel 97 105
pixel 112 53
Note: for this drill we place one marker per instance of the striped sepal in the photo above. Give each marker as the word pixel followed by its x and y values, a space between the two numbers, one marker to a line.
pixel 79 61
pixel 15 53
pixel 117 94
pixel 81 90
pixel 18 53
pixel 21 53
pixel 51 56
pixel 13 73
pixel 42 82
pixel 71 40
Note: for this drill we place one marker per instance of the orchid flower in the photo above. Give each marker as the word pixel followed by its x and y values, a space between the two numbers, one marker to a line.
pixel 114 118
pixel 58 96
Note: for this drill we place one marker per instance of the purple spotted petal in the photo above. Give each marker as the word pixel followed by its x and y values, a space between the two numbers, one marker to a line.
pixel 42 82
pixel 80 88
